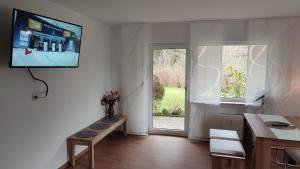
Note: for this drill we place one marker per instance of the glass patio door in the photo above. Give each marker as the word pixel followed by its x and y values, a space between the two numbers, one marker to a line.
pixel 168 111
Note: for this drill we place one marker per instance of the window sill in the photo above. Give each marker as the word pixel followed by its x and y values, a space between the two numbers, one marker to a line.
pixel 225 103
pixel 238 103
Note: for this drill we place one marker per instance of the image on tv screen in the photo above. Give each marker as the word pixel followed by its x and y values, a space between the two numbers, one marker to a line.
pixel 40 41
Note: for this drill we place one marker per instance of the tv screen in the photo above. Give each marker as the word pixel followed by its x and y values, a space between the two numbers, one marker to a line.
pixel 39 41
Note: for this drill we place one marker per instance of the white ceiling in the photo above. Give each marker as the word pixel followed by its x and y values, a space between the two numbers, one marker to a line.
pixel 136 11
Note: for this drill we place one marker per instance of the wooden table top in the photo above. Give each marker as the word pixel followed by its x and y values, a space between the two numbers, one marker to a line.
pixel 260 130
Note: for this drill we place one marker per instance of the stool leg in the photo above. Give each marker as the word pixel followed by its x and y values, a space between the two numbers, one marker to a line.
pixel 216 163
pixel 213 163
pixel 286 161
pixel 243 162
pixel 237 164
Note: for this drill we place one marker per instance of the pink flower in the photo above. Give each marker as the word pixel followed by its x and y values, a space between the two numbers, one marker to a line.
pixel 110 98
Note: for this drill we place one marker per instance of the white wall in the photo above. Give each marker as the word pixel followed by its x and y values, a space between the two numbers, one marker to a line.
pixel 295 71
pixel 169 33
pixel 283 71
pixel 116 62
pixel 33 134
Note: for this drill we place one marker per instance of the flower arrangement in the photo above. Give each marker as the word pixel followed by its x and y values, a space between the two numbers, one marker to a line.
pixel 110 98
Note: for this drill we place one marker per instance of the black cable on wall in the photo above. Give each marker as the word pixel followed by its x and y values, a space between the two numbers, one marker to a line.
pixel 45 83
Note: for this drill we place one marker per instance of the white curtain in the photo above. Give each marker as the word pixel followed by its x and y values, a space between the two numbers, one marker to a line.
pixel 206 74
pixel 206 61
pixel 134 76
pixel 257 59
pixel 206 55
pixel 207 39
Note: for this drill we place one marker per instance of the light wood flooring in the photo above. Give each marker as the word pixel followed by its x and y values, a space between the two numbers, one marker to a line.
pixel 149 152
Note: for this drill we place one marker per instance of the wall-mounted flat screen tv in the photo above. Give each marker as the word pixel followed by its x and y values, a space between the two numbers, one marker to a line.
pixel 43 42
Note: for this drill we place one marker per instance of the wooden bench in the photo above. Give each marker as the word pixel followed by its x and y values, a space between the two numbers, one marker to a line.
pixel 92 141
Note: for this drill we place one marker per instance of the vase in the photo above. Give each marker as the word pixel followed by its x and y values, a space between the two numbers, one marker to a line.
pixel 110 110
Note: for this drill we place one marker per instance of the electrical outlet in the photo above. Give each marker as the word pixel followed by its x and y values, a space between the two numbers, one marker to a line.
pixel 38 94
pixel 34 97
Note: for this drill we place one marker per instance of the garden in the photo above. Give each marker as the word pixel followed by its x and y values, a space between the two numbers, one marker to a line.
pixel 169 78
pixel 169 82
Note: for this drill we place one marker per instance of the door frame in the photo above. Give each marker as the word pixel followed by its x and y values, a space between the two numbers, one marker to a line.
pixel 173 132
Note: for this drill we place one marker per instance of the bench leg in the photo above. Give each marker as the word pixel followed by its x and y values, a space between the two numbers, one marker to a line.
pixel 91 156
pixel 71 152
pixel 124 129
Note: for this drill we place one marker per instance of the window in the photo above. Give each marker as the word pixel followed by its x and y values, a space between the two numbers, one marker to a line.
pixel 234 71
pixel 228 73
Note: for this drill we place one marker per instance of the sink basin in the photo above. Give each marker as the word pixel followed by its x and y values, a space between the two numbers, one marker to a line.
pixel 279 125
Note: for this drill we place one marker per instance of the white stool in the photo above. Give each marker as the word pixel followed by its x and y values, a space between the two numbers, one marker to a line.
pixel 227 154
pixel 223 134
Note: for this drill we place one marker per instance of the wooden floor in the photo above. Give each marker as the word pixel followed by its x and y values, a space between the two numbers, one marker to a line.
pixel 149 152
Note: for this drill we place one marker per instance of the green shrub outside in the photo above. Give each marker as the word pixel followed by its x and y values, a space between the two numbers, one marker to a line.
pixel 159 90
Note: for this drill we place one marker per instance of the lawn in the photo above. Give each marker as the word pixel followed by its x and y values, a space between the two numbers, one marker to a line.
pixel 173 100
